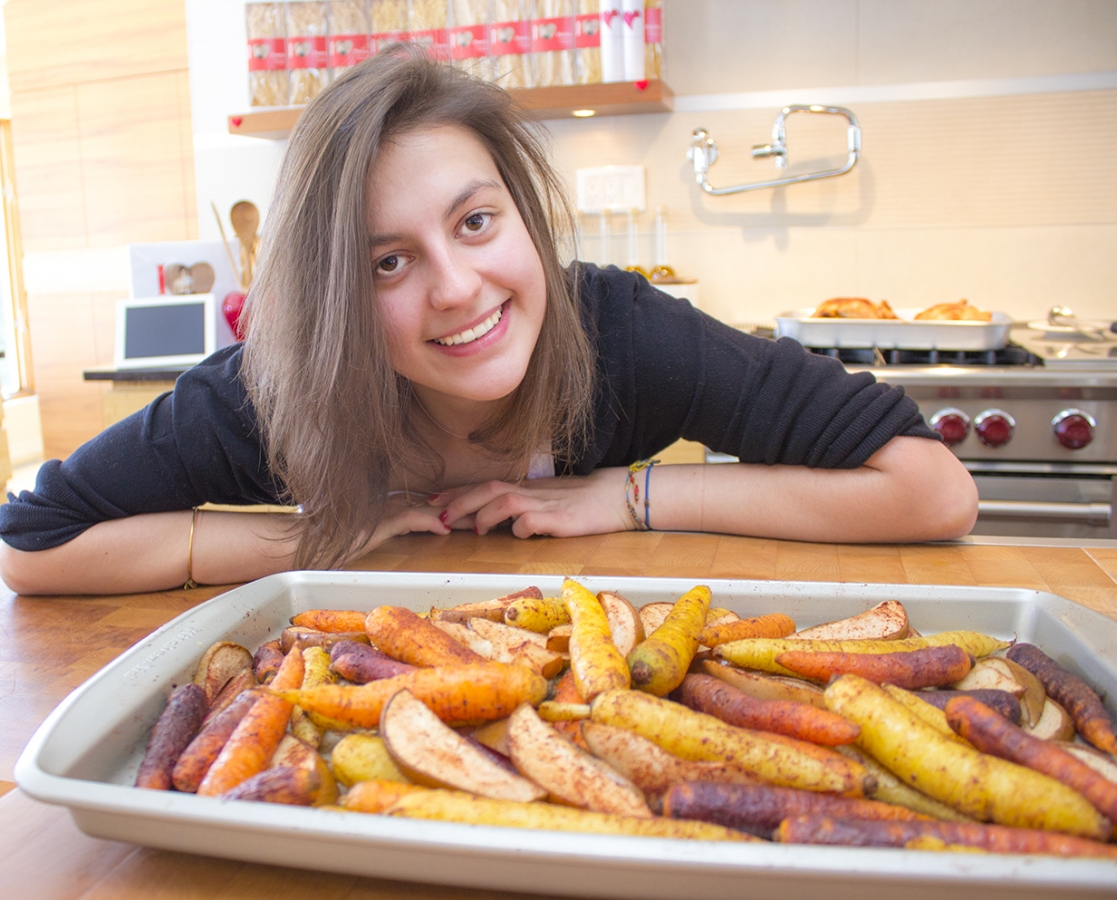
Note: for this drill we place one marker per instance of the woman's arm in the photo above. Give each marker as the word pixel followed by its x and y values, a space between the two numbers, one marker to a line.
pixel 150 552
pixel 912 489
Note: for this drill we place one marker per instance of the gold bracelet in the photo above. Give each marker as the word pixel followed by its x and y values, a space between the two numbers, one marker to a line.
pixel 190 582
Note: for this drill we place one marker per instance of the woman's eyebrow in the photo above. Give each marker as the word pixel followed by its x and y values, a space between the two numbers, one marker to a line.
pixel 470 189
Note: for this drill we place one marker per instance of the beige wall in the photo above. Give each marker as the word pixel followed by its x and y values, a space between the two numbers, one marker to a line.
pixel 101 125
pixel 987 172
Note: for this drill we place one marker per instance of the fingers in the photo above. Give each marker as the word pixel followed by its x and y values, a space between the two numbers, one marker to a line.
pixel 468 501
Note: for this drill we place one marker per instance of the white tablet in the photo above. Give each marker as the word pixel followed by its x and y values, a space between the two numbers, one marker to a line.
pixel 165 331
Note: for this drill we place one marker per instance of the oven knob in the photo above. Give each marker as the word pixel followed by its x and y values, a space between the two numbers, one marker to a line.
pixel 994 427
pixel 952 424
pixel 1074 428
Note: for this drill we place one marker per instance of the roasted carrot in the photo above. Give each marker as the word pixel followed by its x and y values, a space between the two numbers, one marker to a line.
pixel 761 653
pixel 292 785
pixel 333 620
pixel 911 669
pixel 814 829
pixel 375 795
pixel 301 636
pixel 266 661
pixel 252 743
pixel 597 663
pixel 659 663
pixel 404 636
pixel 992 733
pixel 361 663
pixel 492 610
pixel 772 625
pixel 538 614
pixel 174 730
pixel 798 720
pixel 1071 692
pixel 456 694
pixel 199 755
pixel 566 691
pixel 759 808
pixel 999 701
pixel 308 727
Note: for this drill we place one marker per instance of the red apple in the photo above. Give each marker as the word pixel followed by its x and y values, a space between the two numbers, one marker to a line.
pixel 231 306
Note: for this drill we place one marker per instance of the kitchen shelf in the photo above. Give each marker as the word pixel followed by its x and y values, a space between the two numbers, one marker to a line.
pixel 559 102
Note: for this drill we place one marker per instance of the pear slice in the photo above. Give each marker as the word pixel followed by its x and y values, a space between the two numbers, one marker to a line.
pixel 222 662
pixel 558 638
pixel 518 645
pixel 432 754
pixel 625 623
pixel 569 774
pixel 887 621
pixel 998 673
pixel 649 766
pixel 493 735
pixel 767 687
pixel 493 610
pixel 1098 760
pixel 298 754
pixel 1055 724
pixel 1035 694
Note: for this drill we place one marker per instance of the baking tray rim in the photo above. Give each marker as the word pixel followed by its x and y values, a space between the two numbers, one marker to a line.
pixel 904 333
pixel 123 804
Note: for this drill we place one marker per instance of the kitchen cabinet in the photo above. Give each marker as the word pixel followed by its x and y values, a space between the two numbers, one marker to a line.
pixel 558 102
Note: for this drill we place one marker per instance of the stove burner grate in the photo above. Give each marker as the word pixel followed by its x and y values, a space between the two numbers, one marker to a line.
pixel 1010 355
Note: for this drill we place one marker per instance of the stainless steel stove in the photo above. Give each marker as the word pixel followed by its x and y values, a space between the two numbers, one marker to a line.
pixel 1034 422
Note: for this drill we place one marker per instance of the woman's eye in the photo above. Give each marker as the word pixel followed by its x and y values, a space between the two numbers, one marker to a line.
pixel 476 221
pixel 388 264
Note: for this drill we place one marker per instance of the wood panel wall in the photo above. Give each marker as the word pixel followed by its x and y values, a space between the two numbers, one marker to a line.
pixel 103 157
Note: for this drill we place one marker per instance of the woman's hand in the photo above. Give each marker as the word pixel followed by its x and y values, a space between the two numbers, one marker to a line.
pixel 562 507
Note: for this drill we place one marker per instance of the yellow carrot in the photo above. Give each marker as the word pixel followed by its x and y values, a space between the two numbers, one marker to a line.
pixel 539 614
pixel 659 663
pixel 597 663
pixel 316 663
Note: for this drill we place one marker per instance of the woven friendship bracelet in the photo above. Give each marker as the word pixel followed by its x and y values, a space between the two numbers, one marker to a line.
pixel 633 485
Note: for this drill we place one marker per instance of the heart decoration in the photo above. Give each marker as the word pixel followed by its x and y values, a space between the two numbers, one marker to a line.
pixel 195 279
pixel 236 120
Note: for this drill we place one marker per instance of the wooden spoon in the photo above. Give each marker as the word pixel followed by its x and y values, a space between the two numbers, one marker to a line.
pixel 245 219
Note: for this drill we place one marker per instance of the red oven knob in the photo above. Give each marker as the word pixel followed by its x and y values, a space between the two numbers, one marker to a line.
pixel 994 427
pixel 952 424
pixel 1074 428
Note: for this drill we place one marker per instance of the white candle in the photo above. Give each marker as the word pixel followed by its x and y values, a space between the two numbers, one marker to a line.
pixel 632 13
pixel 612 40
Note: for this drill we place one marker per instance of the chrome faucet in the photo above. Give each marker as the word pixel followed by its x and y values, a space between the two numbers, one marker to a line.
pixel 703 152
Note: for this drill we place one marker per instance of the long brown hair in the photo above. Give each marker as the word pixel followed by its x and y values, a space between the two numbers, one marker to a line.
pixel 332 413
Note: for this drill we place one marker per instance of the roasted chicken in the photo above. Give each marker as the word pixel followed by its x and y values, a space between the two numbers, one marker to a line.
pixel 854 308
pixel 960 311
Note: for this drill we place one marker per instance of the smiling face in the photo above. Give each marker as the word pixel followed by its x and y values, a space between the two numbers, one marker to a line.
pixel 459 283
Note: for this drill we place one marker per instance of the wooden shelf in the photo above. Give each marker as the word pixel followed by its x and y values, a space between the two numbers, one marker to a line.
pixel 620 99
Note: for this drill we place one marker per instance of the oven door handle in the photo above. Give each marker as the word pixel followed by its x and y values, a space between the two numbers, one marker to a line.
pixel 1093 513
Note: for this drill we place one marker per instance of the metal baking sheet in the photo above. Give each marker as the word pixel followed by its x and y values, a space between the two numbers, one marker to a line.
pixel 85 756
pixel 904 333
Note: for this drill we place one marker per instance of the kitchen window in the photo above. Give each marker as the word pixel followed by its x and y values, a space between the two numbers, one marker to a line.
pixel 15 344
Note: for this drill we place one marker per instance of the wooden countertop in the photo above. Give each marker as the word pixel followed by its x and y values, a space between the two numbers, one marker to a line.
pixel 49 646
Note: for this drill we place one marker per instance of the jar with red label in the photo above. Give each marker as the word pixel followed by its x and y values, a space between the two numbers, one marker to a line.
pixel 552 42
pixel 349 35
pixel 510 43
pixel 653 39
pixel 308 56
pixel 587 42
pixel 266 27
pixel 469 37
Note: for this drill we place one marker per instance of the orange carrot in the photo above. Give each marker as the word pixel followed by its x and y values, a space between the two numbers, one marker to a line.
pixel 815 829
pixel 1070 692
pixel 992 733
pixel 733 706
pixel 402 635
pixel 759 808
pixel 375 796
pixel 199 755
pixel 772 625
pixel 250 747
pixel 456 694
pixel 566 691
pixel 911 669
pixel 332 620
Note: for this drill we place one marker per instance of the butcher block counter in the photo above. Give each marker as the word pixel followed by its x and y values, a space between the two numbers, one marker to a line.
pixel 50 645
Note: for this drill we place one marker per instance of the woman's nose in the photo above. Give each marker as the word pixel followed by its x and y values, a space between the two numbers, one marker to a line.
pixel 454 280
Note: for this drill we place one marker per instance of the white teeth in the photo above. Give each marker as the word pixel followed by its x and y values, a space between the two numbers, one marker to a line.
pixel 471 334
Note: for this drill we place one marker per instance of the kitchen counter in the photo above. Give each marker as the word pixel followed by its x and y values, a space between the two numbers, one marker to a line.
pixel 51 645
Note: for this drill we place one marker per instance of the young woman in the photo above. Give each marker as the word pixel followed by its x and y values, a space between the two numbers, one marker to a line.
pixel 419 360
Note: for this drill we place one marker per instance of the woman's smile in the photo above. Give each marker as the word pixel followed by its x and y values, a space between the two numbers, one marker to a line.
pixel 469 336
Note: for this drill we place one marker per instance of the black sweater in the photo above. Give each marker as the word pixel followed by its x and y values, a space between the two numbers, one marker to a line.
pixel 665 371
